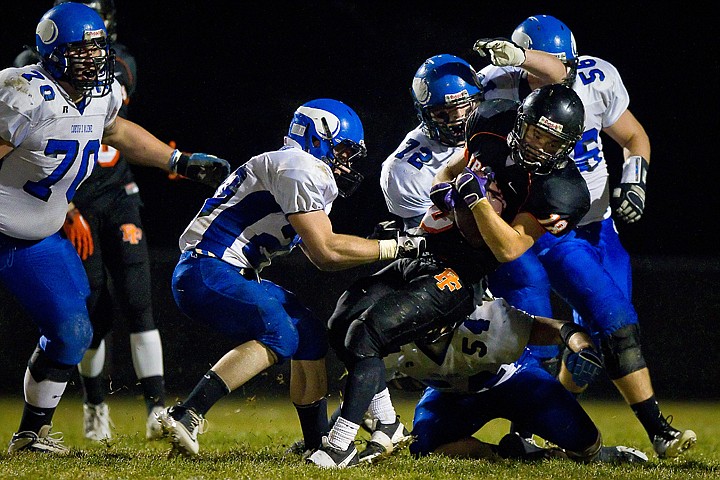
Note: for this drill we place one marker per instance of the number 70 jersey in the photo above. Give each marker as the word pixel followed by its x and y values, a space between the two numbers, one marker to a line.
pixel 56 147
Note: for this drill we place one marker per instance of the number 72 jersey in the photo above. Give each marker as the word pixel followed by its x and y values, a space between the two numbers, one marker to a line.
pixel 477 355
pixel 56 146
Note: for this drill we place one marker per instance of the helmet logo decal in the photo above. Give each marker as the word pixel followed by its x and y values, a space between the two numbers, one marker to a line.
pixel 554 126
pixel 450 97
pixel 316 115
pixel 554 223
pixel 47 31
pixel 297 129
pixel 421 89
pixel 93 34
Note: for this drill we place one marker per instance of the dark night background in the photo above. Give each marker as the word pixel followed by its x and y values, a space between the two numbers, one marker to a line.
pixel 226 77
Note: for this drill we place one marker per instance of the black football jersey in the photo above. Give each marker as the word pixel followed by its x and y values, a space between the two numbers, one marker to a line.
pixel 558 200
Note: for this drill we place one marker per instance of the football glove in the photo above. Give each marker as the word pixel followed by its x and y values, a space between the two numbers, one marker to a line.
pixel 201 167
pixel 584 366
pixel 77 230
pixel 442 196
pixel 629 196
pixel 386 230
pixel 410 244
pixel 502 52
pixel 471 186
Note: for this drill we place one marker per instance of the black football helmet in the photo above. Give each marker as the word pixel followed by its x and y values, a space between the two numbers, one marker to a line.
pixel 549 122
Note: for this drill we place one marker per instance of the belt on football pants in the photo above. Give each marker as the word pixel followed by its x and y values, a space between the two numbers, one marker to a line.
pixel 246 272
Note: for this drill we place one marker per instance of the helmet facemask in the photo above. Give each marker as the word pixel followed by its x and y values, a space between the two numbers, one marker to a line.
pixel 539 147
pixel 446 123
pixel 90 67
pixel 340 157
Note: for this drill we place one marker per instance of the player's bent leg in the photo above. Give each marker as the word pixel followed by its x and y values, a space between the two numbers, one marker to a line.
pixel 442 419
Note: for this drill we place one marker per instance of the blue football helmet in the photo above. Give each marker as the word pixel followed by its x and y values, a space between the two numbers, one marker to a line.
pixel 332 132
pixel 72 42
pixel 548 34
pixel 106 10
pixel 549 122
pixel 445 90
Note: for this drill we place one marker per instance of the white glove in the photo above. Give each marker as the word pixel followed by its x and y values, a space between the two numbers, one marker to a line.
pixel 503 53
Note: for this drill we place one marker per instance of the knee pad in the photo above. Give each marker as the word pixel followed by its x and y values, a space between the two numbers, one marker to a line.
pixel 360 341
pixel 43 368
pixel 622 353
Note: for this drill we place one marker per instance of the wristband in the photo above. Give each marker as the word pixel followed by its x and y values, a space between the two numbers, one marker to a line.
pixel 634 170
pixel 568 330
pixel 174 157
pixel 388 249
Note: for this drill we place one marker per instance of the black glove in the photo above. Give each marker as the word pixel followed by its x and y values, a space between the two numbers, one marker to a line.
pixel 386 230
pixel 201 167
pixel 410 245
pixel 629 196
pixel 585 366
pixel 471 185
pixel 441 195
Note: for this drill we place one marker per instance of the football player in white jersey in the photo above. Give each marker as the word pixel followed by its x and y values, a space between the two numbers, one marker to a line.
pixel 590 269
pixel 478 372
pixel 54 115
pixel 273 203
pixel 445 89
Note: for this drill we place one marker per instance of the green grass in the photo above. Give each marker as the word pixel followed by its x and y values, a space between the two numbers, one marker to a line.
pixel 247 438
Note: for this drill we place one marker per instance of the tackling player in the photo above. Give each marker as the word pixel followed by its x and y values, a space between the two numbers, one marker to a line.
pixel 479 371
pixel 274 202
pixel 590 269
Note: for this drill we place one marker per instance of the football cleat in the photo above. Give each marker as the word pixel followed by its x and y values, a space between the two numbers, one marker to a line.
pixel 298 449
pixel 516 447
pixel 672 442
pixel 182 425
pixel 153 429
pixel 328 456
pixel 97 422
pixel 621 454
pixel 41 442
pixel 385 440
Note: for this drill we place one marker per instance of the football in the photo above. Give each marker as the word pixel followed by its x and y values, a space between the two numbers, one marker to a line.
pixel 465 221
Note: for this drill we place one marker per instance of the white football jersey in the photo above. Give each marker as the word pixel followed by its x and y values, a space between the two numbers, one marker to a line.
pixel 604 97
pixel 407 174
pixel 56 147
pixel 480 354
pixel 245 223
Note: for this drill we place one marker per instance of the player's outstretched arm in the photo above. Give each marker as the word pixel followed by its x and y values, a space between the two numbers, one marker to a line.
pixel 143 148
pixel 330 251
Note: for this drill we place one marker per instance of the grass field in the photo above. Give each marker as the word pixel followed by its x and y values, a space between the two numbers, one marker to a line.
pixel 247 439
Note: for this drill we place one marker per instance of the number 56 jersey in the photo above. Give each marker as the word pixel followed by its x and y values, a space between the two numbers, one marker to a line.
pixel 56 146
pixel 477 355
